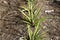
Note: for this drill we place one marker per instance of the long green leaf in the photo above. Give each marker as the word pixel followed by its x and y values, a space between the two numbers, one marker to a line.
pixel 24 14
pixel 29 32
pixel 38 26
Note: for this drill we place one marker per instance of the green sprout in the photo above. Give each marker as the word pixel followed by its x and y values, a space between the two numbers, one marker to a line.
pixel 32 19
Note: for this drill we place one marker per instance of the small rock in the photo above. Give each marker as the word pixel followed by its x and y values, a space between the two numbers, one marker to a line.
pixel 21 38
pixel 49 11
pixel 5 2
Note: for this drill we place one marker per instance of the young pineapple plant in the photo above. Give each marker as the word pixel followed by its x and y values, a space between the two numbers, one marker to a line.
pixel 32 19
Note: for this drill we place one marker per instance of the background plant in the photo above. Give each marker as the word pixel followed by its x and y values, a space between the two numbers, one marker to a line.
pixel 32 18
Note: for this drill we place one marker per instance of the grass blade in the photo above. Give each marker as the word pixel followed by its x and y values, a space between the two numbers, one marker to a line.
pixel 29 31
pixel 25 15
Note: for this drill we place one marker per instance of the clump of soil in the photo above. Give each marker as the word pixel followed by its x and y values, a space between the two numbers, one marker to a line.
pixel 12 26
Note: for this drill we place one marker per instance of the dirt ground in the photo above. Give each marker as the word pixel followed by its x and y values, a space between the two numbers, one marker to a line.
pixel 12 27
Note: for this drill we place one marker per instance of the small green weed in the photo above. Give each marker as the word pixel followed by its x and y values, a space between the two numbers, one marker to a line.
pixel 32 19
